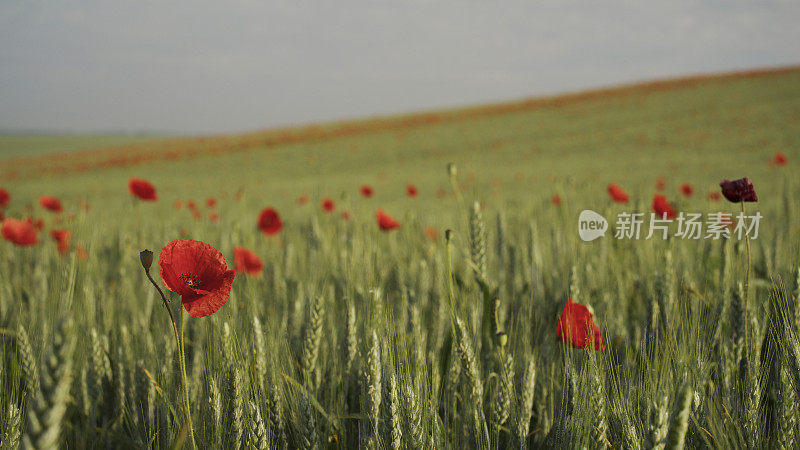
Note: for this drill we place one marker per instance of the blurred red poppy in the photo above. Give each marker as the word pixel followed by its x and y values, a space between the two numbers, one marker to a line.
pixel 269 222
pixel 385 221
pixel 38 223
pixel 714 196
pixel 50 203
pixel 555 199
pixel 142 189
pixel 19 232
pixel 177 204
pixel 303 199
pixel 366 191
pixel 660 183
pixel 191 205
pixel 346 215
pixel 617 194
pixel 5 197
pixel 687 190
pixel 212 216
pixel 431 233
pixel 62 238
pixel 247 261
pixel 198 273
pixel 576 327
pixel 740 190
pixel 411 190
pixel 80 252
pixel 662 207
pixel 327 205
pixel 211 202
pixel 2 216
pixel 780 159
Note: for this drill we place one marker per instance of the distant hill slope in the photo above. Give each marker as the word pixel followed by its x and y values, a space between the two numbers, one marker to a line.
pixel 113 152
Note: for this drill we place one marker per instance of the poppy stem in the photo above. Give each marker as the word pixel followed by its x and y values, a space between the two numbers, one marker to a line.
pixel 182 360
pixel 746 286
pixel 181 355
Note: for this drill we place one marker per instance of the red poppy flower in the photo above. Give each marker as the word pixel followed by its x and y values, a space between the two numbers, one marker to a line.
pixel 247 261
pixel 198 273
pixel 779 159
pixel 2 216
pixel 366 191
pixel 50 203
pixel 142 189
pixel 660 183
pixel 20 232
pixel 211 202
pixel 431 234
pixel 269 222
pixel 687 190
pixel 303 199
pixel 80 252
pixel 411 190
pixel 212 216
pixel 740 190
pixel 555 199
pixel 62 238
pixel 714 196
pixel 5 197
pixel 576 327
pixel 38 223
pixel 385 221
pixel 191 205
pixel 346 215
pixel 662 207
pixel 617 194
pixel 177 204
pixel 196 214
pixel 327 205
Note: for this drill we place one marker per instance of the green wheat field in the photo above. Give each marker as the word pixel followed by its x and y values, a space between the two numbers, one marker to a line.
pixel 354 337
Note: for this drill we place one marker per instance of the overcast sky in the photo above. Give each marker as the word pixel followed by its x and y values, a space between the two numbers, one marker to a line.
pixel 210 66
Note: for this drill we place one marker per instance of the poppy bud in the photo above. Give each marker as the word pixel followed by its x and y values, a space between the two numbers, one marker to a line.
pixel 451 169
pixel 146 256
pixel 448 234
pixel 502 338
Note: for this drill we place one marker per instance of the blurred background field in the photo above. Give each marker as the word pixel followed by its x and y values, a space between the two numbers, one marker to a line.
pixel 330 283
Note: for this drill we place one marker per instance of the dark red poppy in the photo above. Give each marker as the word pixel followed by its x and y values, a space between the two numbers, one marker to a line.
pixel 617 194
pixel 50 203
pixel 660 183
pixel 687 190
pixel 5 197
pixel 303 199
pixel 269 222
pixel 19 232
pixel 714 196
pixel 38 223
pixel 247 261
pixel 62 238
pixel 577 328
pixel 411 190
pixel 327 205
pixel 385 221
pixel 779 159
pixel 431 233
pixel 211 202
pixel 662 207
pixel 740 190
pixel 198 273
pixel 555 199
pixel 142 189
pixel 366 191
